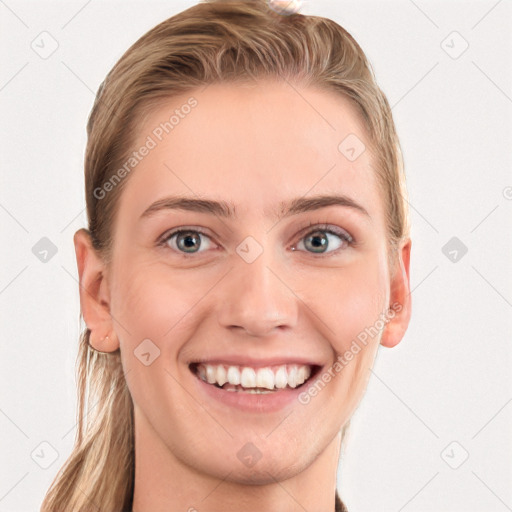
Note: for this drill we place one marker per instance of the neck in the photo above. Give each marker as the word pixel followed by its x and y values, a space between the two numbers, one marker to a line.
pixel 163 483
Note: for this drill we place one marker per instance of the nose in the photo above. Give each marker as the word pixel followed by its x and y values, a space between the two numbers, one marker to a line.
pixel 257 298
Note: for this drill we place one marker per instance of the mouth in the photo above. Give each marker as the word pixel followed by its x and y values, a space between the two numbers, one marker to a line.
pixel 255 380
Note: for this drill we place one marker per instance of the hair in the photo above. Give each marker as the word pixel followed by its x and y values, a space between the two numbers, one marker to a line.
pixel 211 42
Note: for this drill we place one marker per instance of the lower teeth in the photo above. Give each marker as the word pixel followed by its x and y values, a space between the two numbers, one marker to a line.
pixel 252 391
pixel 240 389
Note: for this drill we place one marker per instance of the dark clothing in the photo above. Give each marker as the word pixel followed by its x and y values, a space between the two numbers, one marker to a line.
pixel 340 506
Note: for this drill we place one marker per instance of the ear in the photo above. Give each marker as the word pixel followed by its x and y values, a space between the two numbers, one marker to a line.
pixel 94 294
pixel 400 298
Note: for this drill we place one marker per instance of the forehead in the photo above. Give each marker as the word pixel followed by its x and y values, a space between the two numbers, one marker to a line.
pixel 254 146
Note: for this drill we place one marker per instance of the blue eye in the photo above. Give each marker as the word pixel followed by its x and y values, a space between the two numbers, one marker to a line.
pixel 318 240
pixel 187 240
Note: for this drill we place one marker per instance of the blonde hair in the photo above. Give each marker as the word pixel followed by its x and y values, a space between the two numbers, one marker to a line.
pixel 214 41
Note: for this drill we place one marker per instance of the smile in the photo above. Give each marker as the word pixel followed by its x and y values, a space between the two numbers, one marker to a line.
pixel 264 380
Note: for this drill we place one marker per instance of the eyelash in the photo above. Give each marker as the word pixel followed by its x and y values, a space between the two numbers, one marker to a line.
pixel 322 227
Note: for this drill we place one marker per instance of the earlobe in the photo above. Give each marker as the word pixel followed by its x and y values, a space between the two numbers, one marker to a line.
pixel 400 299
pixel 94 294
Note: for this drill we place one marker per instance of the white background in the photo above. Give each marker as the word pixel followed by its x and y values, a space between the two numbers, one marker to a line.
pixel 449 380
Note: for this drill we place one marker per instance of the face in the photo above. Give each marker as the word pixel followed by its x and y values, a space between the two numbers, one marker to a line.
pixel 274 289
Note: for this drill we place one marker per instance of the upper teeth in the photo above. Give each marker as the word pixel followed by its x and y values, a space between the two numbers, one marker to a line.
pixel 267 377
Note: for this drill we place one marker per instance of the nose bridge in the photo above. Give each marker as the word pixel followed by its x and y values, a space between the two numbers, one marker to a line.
pixel 256 299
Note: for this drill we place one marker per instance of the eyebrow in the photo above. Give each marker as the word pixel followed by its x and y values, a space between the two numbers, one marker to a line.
pixel 228 210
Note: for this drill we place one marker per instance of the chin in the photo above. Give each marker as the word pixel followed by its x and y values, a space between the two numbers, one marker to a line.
pixel 265 470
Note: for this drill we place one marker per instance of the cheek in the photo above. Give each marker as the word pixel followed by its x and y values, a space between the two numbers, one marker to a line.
pixel 349 301
pixel 155 302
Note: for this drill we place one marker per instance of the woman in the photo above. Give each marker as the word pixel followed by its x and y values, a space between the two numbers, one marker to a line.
pixel 247 253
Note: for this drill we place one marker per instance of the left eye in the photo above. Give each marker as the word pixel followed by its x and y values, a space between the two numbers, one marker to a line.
pixel 319 240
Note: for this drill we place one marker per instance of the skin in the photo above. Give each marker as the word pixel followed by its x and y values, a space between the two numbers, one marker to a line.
pixel 255 146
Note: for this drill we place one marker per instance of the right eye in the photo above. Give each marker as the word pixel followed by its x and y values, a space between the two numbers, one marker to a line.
pixel 186 241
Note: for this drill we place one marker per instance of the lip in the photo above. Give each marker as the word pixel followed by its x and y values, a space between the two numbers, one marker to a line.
pixel 255 403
